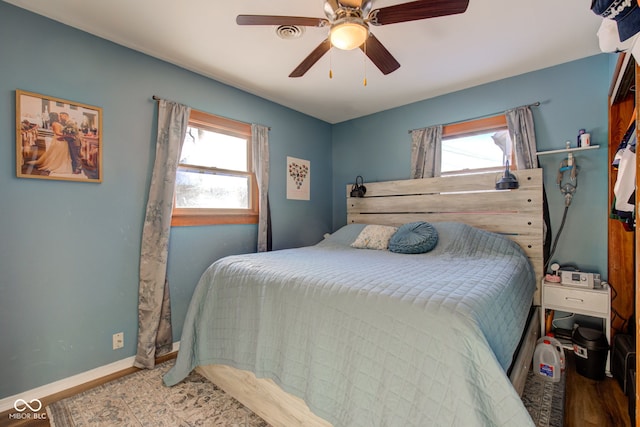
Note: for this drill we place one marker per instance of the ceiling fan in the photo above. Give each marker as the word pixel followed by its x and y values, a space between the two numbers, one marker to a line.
pixel 348 22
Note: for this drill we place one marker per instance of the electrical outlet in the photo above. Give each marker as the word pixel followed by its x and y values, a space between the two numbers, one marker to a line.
pixel 118 340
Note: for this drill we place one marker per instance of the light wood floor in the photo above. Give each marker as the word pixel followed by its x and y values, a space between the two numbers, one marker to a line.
pixel 588 402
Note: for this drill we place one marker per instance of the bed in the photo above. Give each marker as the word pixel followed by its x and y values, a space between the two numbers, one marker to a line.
pixel 334 335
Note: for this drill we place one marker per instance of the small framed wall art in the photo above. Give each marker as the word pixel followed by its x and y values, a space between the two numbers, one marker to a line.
pixel 298 179
pixel 57 139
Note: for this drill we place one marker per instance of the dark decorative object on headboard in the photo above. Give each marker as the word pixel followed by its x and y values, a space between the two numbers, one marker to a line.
pixel 508 180
pixel 358 189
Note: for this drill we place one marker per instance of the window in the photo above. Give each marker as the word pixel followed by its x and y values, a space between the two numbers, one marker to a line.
pixel 214 181
pixel 481 145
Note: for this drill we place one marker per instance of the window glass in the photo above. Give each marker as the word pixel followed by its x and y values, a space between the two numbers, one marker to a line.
pixel 214 183
pixel 479 151
pixel 214 150
pixel 479 145
pixel 197 189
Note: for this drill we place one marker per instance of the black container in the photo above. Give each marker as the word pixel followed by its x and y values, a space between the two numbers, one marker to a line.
pixel 623 358
pixel 631 393
pixel 590 347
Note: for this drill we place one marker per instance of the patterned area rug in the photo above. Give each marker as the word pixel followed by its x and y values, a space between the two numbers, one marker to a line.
pixel 140 399
pixel 544 400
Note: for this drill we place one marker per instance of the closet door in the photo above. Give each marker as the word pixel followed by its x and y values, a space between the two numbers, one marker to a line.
pixel 621 265
pixel 637 244
pixel 624 244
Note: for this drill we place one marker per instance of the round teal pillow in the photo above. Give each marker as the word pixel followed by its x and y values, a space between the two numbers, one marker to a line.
pixel 414 238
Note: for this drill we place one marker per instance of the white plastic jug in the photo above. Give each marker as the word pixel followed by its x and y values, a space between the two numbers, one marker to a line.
pixel 548 359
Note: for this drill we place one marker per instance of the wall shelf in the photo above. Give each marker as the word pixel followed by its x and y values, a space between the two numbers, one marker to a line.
pixel 567 150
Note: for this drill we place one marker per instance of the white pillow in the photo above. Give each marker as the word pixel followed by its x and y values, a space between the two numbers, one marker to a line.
pixel 374 237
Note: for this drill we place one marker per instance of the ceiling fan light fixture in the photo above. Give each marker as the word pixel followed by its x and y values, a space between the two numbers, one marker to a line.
pixel 348 33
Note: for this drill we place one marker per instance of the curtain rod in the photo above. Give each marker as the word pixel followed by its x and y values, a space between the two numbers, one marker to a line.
pixel 535 104
pixel 157 98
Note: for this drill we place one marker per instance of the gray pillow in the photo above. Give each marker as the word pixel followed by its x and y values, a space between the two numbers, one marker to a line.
pixel 346 234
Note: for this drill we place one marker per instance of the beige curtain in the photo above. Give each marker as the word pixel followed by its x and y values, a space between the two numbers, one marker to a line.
pixel 426 152
pixel 154 311
pixel 523 136
pixel 260 154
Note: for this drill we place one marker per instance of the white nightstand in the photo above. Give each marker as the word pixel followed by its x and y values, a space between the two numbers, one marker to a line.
pixel 588 302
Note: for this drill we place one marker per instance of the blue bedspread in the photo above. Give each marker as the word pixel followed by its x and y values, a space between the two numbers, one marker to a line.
pixel 368 337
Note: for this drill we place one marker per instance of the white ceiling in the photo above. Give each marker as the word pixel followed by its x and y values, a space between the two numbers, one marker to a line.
pixel 492 40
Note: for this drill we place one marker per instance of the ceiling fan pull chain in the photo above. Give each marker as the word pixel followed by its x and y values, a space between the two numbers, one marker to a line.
pixel 364 63
pixel 330 64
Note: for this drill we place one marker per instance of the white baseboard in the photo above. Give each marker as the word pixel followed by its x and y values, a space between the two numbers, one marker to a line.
pixel 73 381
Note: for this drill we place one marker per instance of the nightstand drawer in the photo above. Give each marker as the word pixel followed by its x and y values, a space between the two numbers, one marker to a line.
pixel 570 298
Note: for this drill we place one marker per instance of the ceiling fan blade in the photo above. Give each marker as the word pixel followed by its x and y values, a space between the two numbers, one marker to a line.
pixel 379 55
pixel 281 20
pixel 415 10
pixel 310 60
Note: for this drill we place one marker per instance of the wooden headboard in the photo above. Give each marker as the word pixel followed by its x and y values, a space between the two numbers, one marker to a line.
pixel 471 199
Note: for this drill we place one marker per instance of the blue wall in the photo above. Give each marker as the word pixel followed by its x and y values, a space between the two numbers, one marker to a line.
pixel 69 264
pixel 572 96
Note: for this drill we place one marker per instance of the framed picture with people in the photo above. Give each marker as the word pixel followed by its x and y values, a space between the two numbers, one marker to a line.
pixel 57 139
